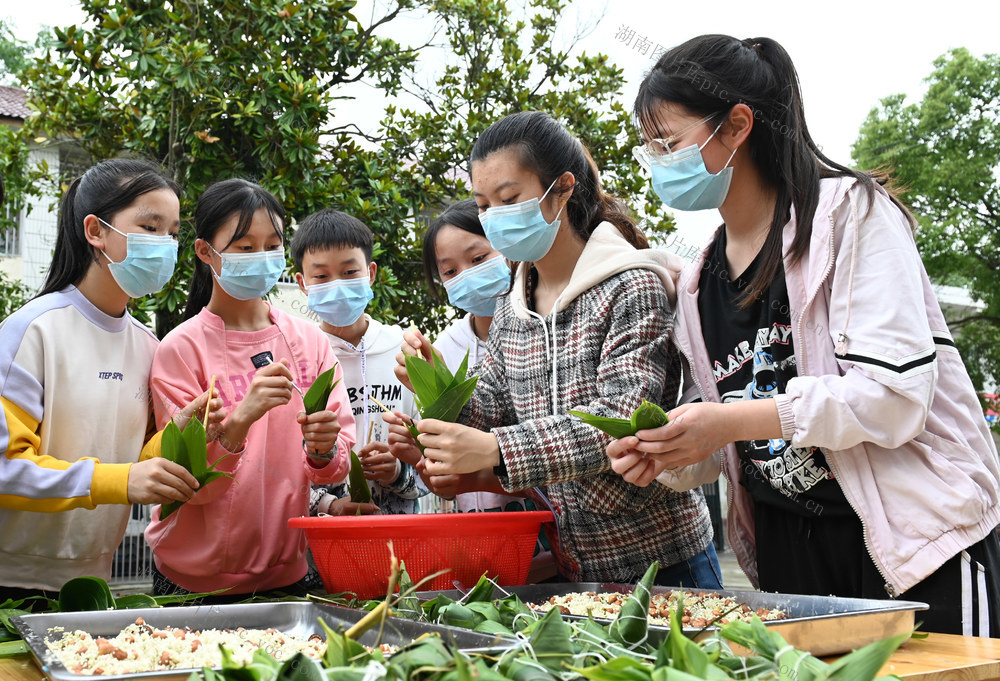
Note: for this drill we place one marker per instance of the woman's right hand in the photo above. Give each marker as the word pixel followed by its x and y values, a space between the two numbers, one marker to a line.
pixel 271 387
pixel 159 481
pixel 401 442
pixel 415 344
pixel 347 507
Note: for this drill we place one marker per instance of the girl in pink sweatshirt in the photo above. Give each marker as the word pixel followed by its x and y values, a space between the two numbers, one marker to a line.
pixel 233 534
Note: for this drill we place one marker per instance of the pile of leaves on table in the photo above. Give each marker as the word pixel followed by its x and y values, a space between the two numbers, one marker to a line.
pixel 533 646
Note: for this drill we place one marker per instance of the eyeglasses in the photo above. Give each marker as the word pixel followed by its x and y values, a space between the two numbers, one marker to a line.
pixel 655 149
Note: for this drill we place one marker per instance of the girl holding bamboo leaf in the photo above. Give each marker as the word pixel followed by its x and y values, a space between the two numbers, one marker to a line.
pixel 78 430
pixel 825 382
pixel 584 326
pixel 233 534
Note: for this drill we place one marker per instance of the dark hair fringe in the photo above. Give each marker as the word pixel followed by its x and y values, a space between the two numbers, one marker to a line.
pixel 329 228
pixel 463 215
pixel 708 76
pixel 216 206
pixel 548 149
pixel 104 190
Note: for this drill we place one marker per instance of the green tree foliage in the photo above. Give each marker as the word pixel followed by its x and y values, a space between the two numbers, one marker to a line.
pixel 945 152
pixel 13 294
pixel 505 57
pixel 14 55
pixel 213 89
pixel 21 179
pixel 220 88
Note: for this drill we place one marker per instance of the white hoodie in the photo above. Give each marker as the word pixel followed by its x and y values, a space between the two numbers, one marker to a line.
pixel 368 373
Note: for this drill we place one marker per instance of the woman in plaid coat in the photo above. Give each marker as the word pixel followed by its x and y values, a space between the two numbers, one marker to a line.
pixel 584 326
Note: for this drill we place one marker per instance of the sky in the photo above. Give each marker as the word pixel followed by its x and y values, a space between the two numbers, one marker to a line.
pixel 848 54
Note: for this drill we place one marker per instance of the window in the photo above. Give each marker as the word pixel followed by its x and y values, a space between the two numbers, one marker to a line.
pixel 10 238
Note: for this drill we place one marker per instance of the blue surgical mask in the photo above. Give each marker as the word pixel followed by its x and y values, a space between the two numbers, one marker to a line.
pixel 246 276
pixel 519 231
pixel 148 264
pixel 682 182
pixel 340 302
pixel 476 289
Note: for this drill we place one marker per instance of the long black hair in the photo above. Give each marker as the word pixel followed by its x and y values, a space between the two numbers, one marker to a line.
pixel 216 206
pixel 465 216
pixel 547 149
pixel 104 190
pixel 708 76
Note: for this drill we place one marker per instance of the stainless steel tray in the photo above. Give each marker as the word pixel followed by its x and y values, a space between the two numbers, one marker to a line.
pixel 298 618
pixel 821 625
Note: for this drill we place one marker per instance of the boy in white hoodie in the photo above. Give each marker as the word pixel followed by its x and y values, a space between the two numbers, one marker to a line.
pixel 333 255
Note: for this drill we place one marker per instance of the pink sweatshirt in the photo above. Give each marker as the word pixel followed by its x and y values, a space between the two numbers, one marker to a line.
pixel 234 533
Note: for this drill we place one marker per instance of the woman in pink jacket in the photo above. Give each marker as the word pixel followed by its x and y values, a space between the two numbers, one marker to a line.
pixel 822 374
pixel 233 534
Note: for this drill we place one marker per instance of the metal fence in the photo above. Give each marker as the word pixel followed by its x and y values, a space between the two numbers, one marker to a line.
pixel 133 562
pixel 10 239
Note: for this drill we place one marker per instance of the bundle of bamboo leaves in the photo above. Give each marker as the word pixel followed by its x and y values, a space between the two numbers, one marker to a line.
pixel 190 449
pixel 439 393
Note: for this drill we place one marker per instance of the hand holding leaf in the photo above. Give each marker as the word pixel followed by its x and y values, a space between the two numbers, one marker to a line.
pixel 189 448
pixel 439 394
pixel 320 428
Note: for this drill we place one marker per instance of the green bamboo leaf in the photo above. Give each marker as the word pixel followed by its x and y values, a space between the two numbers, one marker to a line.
pixel 647 416
pixel 550 639
pixel 172 445
pixel 493 628
pixel 357 483
pixel 616 428
pixel 423 378
pixel 416 435
pixel 5 615
pixel 486 610
pixel 449 405
pixel 13 649
pixel 408 605
pixel 459 615
pixel 866 662
pixel 85 593
pixel 482 592
pixel 443 378
pixel 513 612
pixel 632 622
pixel 463 368
pixel 133 601
pixel 300 667
pixel 193 438
pixel 168 508
pixel 617 669
pixel 318 395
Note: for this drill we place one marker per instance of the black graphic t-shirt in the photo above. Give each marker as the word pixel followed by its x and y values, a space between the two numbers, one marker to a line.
pixel 752 358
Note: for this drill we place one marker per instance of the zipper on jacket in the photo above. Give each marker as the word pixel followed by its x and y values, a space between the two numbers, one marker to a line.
pixel 722 467
pixel 888 586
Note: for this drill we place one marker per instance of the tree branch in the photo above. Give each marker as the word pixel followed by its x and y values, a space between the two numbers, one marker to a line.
pixel 974 318
pixel 358 132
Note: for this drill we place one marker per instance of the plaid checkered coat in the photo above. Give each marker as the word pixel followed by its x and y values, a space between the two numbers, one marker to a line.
pixel 609 345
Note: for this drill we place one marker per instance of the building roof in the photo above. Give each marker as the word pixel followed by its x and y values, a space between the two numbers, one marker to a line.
pixel 13 102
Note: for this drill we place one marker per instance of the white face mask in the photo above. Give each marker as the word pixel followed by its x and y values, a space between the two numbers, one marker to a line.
pixel 148 265
pixel 520 231
pixel 246 276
